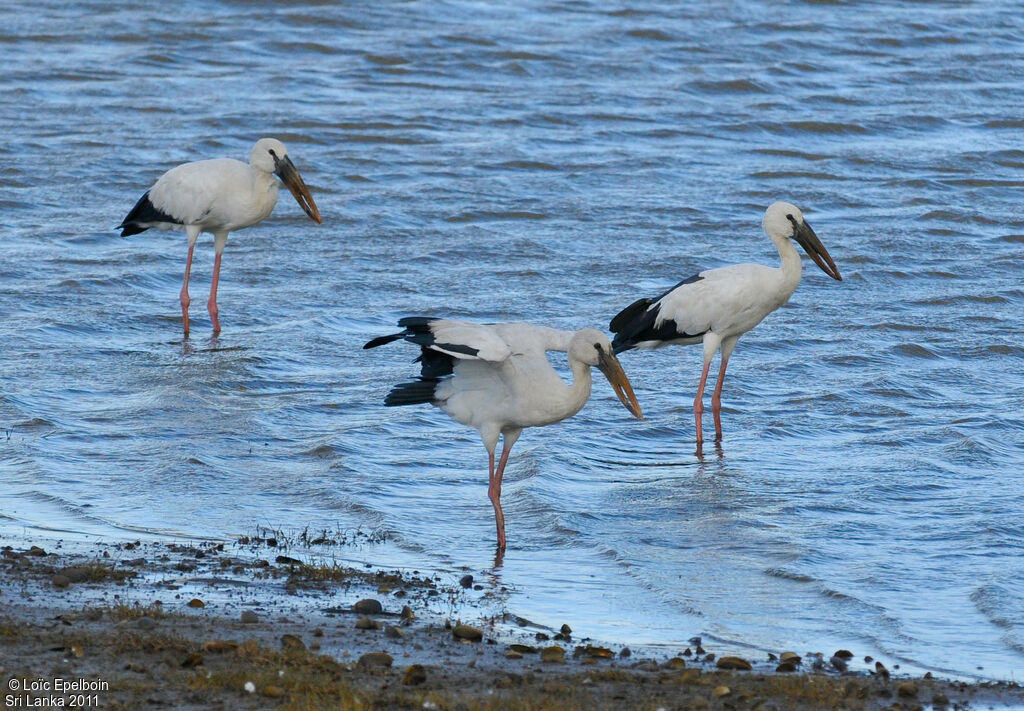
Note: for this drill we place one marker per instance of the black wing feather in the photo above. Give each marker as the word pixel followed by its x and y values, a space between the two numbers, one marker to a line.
pixel 434 364
pixel 635 323
pixel 142 216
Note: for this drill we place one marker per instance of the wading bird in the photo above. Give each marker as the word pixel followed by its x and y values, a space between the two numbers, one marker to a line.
pixel 717 306
pixel 498 380
pixel 218 196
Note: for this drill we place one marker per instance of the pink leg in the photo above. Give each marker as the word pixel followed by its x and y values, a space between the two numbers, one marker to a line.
pixel 185 301
pixel 716 400
pixel 494 492
pixel 698 404
pixel 211 305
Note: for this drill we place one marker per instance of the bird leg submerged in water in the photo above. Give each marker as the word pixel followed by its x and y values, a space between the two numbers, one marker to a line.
pixel 494 482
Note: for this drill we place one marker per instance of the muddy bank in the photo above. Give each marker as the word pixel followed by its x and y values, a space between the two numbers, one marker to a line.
pixel 215 626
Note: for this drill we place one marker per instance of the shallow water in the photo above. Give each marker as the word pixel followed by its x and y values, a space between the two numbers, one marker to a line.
pixel 547 162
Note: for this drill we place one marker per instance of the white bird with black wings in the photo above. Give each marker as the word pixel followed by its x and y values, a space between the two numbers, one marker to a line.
pixel 498 380
pixel 717 306
pixel 219 196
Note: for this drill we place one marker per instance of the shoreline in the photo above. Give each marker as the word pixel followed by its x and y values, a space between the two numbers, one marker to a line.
pixel 196 626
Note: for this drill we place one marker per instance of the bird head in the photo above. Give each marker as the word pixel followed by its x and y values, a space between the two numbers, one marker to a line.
pixel 270 155
pixel 784 220
pixel 592 347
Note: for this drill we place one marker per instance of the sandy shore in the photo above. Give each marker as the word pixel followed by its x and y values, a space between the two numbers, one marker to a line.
pixel 245 626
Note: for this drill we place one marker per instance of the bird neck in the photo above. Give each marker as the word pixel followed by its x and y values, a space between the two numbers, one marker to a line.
pixel 791 263
pixel 581 383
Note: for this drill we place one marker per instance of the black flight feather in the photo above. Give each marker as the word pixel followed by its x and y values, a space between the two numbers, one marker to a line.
pixel 142 216
pixel 635 323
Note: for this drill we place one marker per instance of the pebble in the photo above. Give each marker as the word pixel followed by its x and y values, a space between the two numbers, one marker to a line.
pixel 940 699
pixel 318 632
pixel 565 629
pixel 790 657
pixel 365 623
pixel 414 674
pixel 598 652
pixel 625 652
pixel 394 632
pixel 292 642
pixel 145 623
pixel 375 659
pixel 60 581
pixel 523 648
pixel 881 670
pixel 461 631
pixel 907 689
pixel 273 692
pixel 513 654
pixel 250 687
pixel 552 654
pixel 733 663
pixel 407 613
pixel 248 616
pixel 843 654
pixel 721 691
pixel 196 602
pixel 35 551
pixel 676 663
pixel 466 581
pixel 789 666
pixel 838 662
pixel 368 607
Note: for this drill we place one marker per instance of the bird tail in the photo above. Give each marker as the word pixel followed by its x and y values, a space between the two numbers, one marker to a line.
pixel 143 216
pixel 627 323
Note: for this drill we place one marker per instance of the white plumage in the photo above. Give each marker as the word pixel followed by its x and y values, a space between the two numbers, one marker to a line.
pixel 717 306
pixel 218 196
pixel 498 380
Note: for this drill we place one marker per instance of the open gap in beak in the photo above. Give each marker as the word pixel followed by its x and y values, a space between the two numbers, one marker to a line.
pixel 816 250
pixel 612 369
pixel 289 174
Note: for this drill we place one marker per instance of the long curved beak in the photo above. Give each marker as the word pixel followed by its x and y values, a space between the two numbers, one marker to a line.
pixel 612 369
pixel 816 250
pixel 288 173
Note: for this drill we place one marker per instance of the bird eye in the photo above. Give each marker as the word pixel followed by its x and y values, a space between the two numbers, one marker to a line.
pixel 597 347
pixel 275 155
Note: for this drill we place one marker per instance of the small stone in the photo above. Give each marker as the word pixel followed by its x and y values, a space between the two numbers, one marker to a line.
pixel 368 607
pixel 407 613
pixel 523 648
pixel 940 699
pixel 790 657
pixel 907 689
pixel 365 623
pixel 145 623
pixel 466 581
pixel 676 663
pixel 196 602
pixel 688 652
pixel 565 629
pixel 868 660
pixel 625 652
pixel 414 674
pixel 394 632
pixel 250 687
pixel 721 691
pixel 881 671
pixel 598 652
pixel 60 581
pixel 733 663
pixel 318 632
pixel 375 659
pixel 553 654
pixel 292 643
pixel 838 662
pixel 788 666
pixel 272 692
pixel 248 616
pixel 35 551
pixel 843 654
pixel 710 657
pixel 461 631
pixel 513 654
pixel 541 637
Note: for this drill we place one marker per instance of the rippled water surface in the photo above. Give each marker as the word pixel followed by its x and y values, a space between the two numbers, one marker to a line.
pixel 547 162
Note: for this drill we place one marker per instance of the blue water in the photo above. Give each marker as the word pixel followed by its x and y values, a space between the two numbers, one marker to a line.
pixel 547 162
